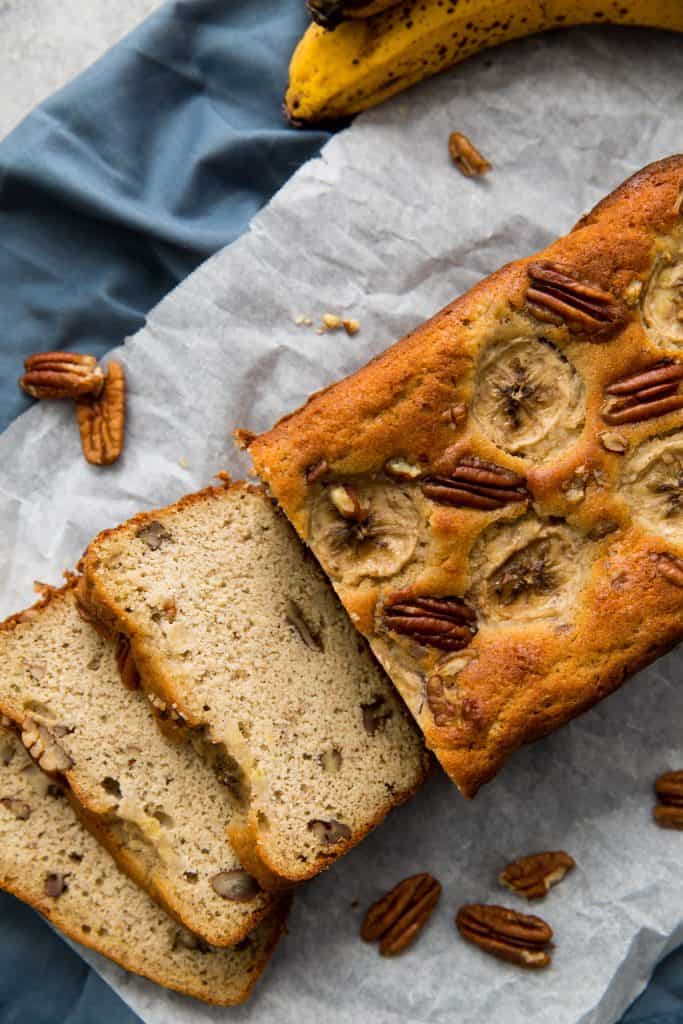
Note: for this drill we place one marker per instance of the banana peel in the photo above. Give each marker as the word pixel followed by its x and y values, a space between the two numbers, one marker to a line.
pixel 334 75
pixel 330 13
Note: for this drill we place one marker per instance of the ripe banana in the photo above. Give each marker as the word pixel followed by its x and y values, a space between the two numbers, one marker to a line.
pixel 330 13
pixel 365 61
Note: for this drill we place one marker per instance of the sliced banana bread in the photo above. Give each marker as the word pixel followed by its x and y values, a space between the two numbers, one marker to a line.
pixel 152 802
pixel 51 862
pixel 239 637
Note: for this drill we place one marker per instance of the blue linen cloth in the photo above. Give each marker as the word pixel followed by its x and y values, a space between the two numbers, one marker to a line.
pixel 111 192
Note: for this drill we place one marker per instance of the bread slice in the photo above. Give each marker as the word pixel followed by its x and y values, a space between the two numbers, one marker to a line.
pixel 159 810
pixel 50 861
pixel 498 498
pixel 258 654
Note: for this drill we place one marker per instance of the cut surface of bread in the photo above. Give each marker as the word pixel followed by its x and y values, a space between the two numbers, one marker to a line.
pixel 160 811
pixel 498 498
pixel 259 655
pixel 50 861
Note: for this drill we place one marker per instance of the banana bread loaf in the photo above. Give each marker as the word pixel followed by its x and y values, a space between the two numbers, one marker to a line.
pixel 50 861
pixel 159 810
pixel 238 637
pixel 498 498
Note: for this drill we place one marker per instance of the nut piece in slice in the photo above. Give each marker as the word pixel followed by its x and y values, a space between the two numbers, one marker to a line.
pixel 668 812
pixel 367 530
pixel 652 485
pixel 398 918
pixel 533 876
pixel 662 309
pixel 529 399
pixel 527 569
pixel 521 939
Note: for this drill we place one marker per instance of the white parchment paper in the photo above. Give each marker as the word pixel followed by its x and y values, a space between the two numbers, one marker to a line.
pixel 383 228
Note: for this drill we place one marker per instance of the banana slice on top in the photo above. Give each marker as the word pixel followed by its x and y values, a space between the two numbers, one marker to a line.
pixel 663 303
pixel 360 530
pixel 652 484
pixel 527 569
pixel 528 397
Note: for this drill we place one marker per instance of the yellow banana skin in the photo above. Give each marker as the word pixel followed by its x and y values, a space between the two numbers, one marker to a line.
pixel 336 74
pixel 330 13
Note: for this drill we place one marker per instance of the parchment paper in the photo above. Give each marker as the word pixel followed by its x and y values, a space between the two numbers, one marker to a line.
pixel 384 229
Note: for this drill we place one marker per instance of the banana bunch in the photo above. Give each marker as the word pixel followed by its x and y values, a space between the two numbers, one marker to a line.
pixel 365 60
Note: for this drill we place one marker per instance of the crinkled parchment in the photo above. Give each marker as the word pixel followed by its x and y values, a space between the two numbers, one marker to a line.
pixel 383 228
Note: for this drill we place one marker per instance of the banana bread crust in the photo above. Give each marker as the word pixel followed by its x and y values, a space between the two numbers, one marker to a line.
pixel 586 485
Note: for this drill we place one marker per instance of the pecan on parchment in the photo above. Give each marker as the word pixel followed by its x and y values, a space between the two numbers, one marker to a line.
pixel 671 568
pixel 466 156
pixel 520 938
pixel 644 395
pixel 399 917
pixel 534 875
pixel 475 483
pixel 555 295
pixel 61 375
pixel 669 811
pixel 446 623
pixel 101 419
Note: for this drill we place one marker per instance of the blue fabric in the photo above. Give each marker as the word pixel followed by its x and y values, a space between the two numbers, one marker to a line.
pixel 110 193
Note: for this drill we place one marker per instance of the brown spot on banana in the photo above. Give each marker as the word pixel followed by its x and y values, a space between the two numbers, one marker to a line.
pixel 364 61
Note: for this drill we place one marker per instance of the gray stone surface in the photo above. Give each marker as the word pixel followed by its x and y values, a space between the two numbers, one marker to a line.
pixel 44 43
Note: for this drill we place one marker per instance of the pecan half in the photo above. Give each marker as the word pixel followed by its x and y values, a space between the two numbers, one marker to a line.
pixel 466 157
pixel 554 295
pixel 520 938
pixel 671 568
pixel 475 483
pixel 446 623
pixel 669 811
pixel 398 918
pixel 534 875
pixel 126 663
pixel 644 395
pixel 61 375
pixel 101 419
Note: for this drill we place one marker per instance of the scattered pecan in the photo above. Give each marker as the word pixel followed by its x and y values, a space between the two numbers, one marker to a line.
pixel 475 483
pixel 316 470
pixel 446 623
pixel 399 917
pixel 671 568
pixel 61 375
pixel 294 616
pixel 669 811
pixel 555 295
pixel 466 157
pixel 520 938
pixel 101 419
pixel 644 395
pixel 126 663
pixel 534 875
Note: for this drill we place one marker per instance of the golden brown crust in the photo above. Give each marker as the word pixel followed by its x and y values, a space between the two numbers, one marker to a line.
pixel 525 676
pixel 244 832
